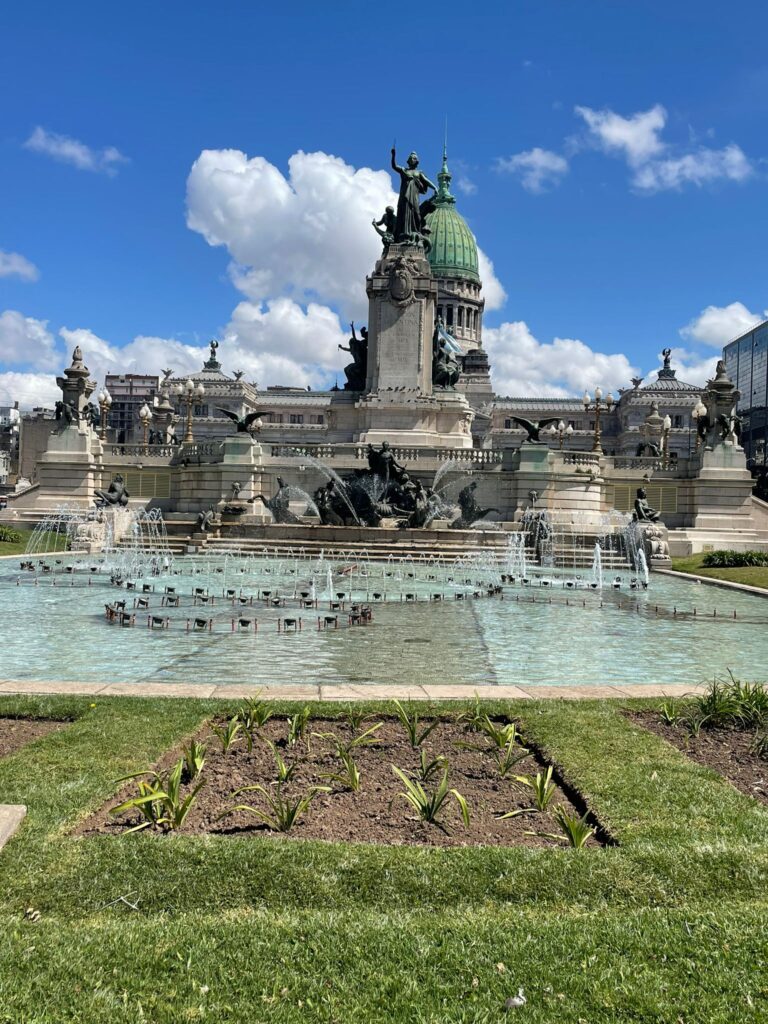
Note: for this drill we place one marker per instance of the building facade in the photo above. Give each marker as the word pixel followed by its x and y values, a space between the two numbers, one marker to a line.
pixel 129 391
pixel 746 363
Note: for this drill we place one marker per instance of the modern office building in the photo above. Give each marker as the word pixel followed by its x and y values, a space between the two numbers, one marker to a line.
pixel 129 392
pixel 746 363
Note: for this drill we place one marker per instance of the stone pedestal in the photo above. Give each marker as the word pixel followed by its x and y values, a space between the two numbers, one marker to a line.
pixel 400 404
pixel 722 490
pixel 67 470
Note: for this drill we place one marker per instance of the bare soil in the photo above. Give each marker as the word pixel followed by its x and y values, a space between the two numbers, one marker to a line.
pixel 375 813
pixel 724 750
pixel 16 733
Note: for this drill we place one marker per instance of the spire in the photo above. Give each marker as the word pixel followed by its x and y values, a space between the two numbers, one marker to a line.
pixel 444 177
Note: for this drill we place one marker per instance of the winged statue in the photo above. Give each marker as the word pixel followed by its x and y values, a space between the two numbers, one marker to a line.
pixel 533 429
pixel 245 423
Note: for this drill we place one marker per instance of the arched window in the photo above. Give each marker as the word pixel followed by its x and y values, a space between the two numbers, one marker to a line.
pixel 460 317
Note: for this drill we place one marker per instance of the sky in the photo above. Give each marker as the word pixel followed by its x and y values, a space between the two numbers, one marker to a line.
pixel 175 172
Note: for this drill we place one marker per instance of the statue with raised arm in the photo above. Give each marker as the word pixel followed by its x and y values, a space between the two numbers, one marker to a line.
pixel 409 225
pixel 357 370
pixel 470 509
pixel 643 512
pixel 382 463
pixel 385 227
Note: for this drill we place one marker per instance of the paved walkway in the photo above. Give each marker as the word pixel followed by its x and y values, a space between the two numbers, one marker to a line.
pixel 345 692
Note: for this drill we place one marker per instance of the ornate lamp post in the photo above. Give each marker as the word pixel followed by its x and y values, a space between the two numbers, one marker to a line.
pixel 597 406
pixel 145 415
pixel 699 417
pixel 187 394
pixel 666 426
pixel 561 432
pixel 105 403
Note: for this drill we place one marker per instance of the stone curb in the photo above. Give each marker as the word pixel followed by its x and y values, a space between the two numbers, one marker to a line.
pixel 345 692
pixel 11 816
pixel 713 582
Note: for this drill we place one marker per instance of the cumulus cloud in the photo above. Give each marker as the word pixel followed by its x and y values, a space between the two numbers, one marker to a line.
pixel 493 290
pixel 717 325
pixel 71 151
pixel 25 341
pixel 538 169
pixel 655 165
pixel 305 236
pixel 13 264
pixel 523 366
pixel 28 389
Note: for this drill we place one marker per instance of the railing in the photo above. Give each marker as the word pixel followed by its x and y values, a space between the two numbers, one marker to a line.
pixel 581 459
pixel 359 453
pixel 160 451
pixel 652 462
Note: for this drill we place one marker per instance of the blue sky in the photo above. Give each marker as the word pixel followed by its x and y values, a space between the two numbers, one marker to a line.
pixel 608 156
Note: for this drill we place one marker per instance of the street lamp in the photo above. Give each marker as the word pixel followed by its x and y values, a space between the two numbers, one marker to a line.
pixel 188 393
pixel 699 417
pixel 145 415
pixel 105 402
pixel 596 406
pixel 666 426
pixel 561 432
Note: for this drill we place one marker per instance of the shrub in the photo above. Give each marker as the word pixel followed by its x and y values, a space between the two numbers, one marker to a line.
pixel 734 559
pixel 10 536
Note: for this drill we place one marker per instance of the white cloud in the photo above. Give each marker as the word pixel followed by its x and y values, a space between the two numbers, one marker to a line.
pixel 493 290
pixel 698 168
pixel 523 366
pixel 71 151
pixel 717 325
pixel 693 368
pixel 654 167
pixel 28 389
pixel 13 264
pixel 307 235
pixel 25 341
pixel 636 137
pixel 465 185
pixel 538 169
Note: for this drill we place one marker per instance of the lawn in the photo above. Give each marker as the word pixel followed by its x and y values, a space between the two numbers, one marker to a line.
pixel 753 576
pixel 668 926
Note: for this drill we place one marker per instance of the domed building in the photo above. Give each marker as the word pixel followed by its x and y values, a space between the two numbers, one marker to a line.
pixel 455 265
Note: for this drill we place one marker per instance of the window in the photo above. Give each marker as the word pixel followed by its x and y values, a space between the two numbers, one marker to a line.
pixel 297 417
pixel 449 316
pixel 274 417
pixel 507 424
pixel 460 317
pixel 572 423
pixel 319 419
pixel 677 421
pixel 200 410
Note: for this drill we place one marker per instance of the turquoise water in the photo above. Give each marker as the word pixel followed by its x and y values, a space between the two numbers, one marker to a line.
pixel 54 628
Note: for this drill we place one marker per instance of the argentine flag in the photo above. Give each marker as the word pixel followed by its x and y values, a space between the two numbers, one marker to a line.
pixel 451 344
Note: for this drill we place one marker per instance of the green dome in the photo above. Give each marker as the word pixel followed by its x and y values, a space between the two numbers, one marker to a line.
pixel 454 249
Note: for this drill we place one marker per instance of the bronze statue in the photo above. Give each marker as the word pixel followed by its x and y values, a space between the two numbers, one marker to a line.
pixel 385 227
pixel 409 223
pixel 205 520
pixel 278 505
pixel 325 501
pixel 65 413
pixel 382 462
pixel 470 510
pixel 357 370
pixel 532 428
pixel 643 512
pixel 115 494
pixel 244 424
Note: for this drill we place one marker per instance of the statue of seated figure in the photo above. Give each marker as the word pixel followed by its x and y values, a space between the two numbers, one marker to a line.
pixel 115 494
pixel 643 512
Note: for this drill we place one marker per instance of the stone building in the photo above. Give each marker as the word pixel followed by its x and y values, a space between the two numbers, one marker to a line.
pixel 129 392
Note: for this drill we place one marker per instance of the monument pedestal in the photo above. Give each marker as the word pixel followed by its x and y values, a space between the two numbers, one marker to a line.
pixel 67 470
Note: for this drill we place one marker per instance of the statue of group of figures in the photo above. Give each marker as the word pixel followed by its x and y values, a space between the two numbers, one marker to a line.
pixel 407 225
pixel 387 491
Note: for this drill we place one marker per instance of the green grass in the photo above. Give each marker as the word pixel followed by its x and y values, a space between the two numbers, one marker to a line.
pixel 669 925
pixel 55 541
pixel 753 576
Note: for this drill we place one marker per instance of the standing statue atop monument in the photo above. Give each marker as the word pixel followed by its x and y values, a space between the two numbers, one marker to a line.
pixel 409 223
pixel 385 227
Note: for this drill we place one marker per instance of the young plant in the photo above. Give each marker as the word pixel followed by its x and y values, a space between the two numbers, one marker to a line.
pixel 253 715
pixel 194 759
pixel 411 725
pixel 575 829
pixel 160 800
pixel 365 739
pixel 429 805
pixel 297 725
pixel 759 745
pixel 473 717
pixel 543 788
pixel 228 734
pixel 500 735
pixel 428 768
pixel 283 812
pixel 285 772
pixel 669 713
pixel 355 718
pixel 349 775
pixel 510 755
